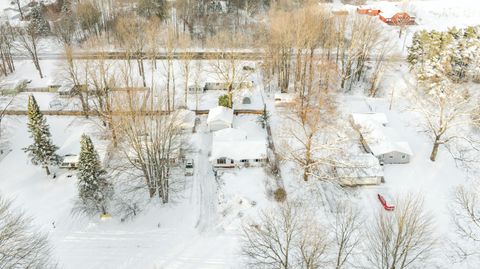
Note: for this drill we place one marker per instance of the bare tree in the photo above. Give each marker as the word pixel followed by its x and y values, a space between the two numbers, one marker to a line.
pixel 466 216
pixel 309 144
pixel 152 143
pixel 447 109
pixel 228 66
pixel 347 227
pixel 28 39
pixel 6 46
pixel 21 245
pixel 185 44
pixel 285 237
pixel 403 238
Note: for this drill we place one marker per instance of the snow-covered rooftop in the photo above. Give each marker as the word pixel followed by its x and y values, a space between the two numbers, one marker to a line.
pixel 230 134
pixel 220 113
pixel 234 144
pixel 187 118
pixel 380 118
pixel 239 150
pixel 380 139
pixel 359 167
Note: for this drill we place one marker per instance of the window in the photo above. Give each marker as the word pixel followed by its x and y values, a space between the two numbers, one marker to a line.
pixel 244 161
pixel 246 101
pixel 403 156
pixel 221 161
pixel 257 160
pixel 391 156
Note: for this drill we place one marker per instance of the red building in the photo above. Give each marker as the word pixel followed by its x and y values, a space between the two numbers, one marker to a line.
pixel 394 16
pixel 368 10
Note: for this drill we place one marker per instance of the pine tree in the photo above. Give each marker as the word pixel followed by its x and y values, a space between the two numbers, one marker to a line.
pixel 94 190
pixel 42 151
pixel 38 21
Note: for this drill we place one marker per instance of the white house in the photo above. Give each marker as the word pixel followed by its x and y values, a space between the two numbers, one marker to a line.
pixel 383 142
pixel 362 169
pixel 195 89
pixel 216 86
pixel 231 148
pixel 219 118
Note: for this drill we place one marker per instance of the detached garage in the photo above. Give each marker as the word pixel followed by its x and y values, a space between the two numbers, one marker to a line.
pixel 219 118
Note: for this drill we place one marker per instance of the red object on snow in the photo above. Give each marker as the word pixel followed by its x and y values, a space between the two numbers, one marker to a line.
pixel 384 203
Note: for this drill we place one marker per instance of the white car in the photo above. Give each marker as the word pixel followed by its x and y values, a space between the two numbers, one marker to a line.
pixel 189 167
pixel 55 105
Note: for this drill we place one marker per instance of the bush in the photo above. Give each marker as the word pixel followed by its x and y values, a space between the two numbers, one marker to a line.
pixel 224 101
pixel 280 195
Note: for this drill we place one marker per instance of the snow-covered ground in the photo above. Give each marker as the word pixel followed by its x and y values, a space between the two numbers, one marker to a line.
pixel 199 230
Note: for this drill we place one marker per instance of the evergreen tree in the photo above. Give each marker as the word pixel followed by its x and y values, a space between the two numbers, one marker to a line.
pixel 38 21
pixel 151 8
pixel 42 151
pixel 94 190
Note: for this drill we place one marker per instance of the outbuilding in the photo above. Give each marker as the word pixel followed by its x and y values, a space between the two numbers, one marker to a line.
pixel 70 161
pixel 357 170
pixel 219 118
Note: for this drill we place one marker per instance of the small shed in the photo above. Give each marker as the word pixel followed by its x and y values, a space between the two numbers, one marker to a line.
pixel 70 161
pixel 358 170
pixel 219 118
pixel 187 118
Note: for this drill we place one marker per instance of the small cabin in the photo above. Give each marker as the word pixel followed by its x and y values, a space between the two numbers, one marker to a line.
pixel 70 161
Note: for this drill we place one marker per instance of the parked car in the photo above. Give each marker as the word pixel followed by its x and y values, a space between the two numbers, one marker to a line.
pixel 55 105
pixel 248 68
pixel 189 167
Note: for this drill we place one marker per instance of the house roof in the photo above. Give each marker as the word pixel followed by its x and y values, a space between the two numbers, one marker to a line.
pixel 381 139
pixel 71 158
pixel 220 113
pixel 359 166
pixel 388 11
pixel 239 149
pixel 187 118
pixel 230 134
pixel 377 117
